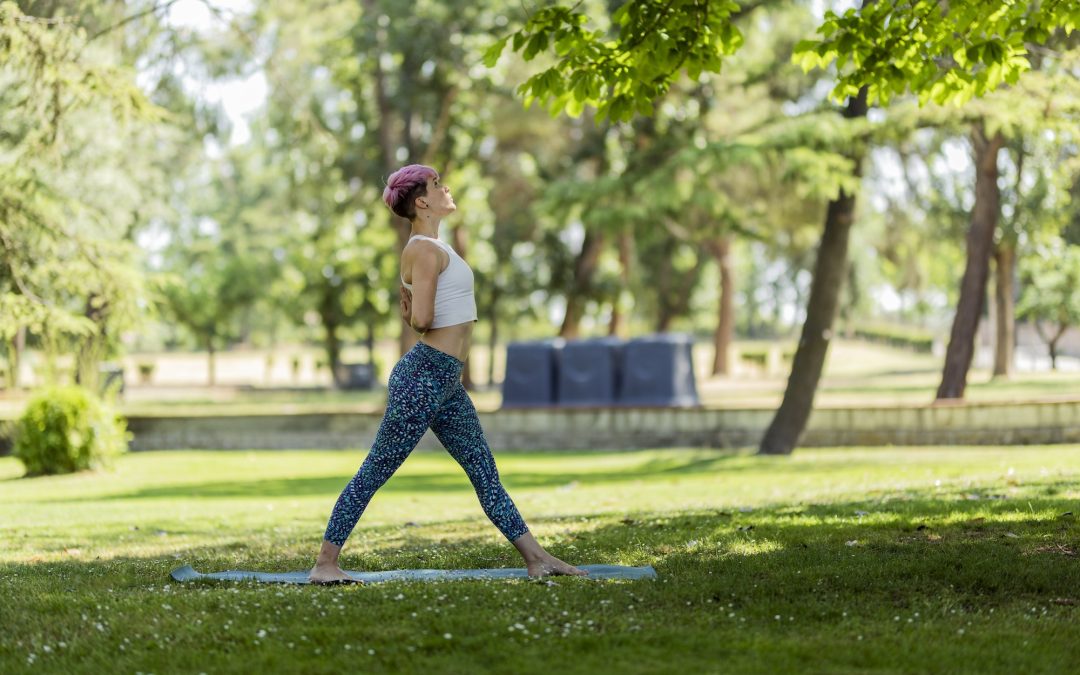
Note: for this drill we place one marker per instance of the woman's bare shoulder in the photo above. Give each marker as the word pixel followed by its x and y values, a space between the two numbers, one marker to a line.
pixel 418 249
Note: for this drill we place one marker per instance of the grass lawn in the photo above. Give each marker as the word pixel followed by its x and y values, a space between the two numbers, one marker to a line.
pixel 839 560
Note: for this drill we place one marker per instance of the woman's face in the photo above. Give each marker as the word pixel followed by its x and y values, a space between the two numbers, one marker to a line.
pixel 438 198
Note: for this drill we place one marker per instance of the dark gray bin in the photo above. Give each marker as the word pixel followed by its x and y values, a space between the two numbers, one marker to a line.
pixel 658 370
pixel 357 375
pixel 588 372
pixel 530 373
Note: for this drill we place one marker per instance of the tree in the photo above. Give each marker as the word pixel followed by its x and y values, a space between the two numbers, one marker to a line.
pixel 945 53
pixel 1051 294
pixel 67 265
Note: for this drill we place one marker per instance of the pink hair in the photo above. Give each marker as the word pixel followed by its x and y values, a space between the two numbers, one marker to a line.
pixel 404 186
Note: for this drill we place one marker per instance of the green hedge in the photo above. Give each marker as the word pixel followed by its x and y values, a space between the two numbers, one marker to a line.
pixel 67 429
pixel 906 338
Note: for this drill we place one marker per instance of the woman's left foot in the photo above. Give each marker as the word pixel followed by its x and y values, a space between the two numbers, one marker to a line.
pixel 550 565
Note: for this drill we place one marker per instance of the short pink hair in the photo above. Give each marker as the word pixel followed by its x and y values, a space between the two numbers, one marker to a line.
pixel 404 186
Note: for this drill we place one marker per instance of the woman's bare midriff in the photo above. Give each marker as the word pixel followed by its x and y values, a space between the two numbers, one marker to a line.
pixel 454 340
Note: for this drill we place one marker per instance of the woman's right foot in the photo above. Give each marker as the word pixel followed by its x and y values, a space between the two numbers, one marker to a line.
pixel 550 565
pixel 328 575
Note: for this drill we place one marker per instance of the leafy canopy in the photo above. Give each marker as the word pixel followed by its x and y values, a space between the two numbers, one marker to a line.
pixel 945 52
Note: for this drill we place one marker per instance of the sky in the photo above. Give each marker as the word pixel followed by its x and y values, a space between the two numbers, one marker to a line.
pixel 238 97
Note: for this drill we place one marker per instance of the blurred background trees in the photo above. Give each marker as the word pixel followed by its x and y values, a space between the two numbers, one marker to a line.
pixel 206 175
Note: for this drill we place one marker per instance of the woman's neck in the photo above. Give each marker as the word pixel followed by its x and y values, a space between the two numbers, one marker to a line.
pixel 427 228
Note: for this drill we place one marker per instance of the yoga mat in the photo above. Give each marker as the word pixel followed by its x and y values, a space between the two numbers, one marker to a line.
pixel 188 573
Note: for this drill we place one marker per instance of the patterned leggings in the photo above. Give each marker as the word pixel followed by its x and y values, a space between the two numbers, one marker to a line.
pixel 425 390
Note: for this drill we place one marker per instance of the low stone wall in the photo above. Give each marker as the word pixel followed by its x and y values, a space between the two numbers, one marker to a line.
pixel 631 428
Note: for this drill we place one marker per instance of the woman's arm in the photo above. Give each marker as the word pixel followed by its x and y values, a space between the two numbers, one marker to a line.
pixel 420 304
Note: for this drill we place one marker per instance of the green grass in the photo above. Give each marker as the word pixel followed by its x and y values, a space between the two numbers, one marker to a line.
pixel 840 560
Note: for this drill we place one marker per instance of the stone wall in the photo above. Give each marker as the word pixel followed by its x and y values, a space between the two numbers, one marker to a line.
pixel 630 428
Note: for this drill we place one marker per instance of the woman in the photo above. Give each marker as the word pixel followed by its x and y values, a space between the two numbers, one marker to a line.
pixel 425 386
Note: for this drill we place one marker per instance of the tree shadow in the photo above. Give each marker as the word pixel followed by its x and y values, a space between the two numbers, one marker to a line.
pixel 907 545
pixel 432 482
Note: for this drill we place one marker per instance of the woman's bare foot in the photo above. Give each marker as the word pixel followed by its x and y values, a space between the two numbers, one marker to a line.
pixel 539 562
pixel 550 565
pixel 326 575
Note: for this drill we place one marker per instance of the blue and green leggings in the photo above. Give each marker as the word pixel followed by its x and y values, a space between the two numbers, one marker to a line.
pixel 425 390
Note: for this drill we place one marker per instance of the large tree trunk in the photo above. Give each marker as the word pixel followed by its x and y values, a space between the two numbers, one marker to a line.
pixel 829 271
pixel 584 268
pixel 980 242
pixel 720 249
pixel 1005 314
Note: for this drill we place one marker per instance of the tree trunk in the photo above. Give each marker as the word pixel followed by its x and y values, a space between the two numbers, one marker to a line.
pixel 91 347
pixel 333 353
pixel 493 323
pixel 1005 315
pixel 829 271
pixel 617 323
pixel 211 367
pixel 369 341
pixel 584 267
pixel 18 345
pixel 725 325
pixel 980 242
pixel 1053 345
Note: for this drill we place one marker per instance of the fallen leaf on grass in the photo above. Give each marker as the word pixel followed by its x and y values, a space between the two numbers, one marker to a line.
pixel 1012 535
pixel 1063 601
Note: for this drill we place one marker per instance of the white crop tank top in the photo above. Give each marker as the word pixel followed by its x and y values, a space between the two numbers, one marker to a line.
pixel 455 301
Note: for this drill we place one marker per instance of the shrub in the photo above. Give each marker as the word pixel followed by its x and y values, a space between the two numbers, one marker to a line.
pixel 67 429
pixel 897 336
pixel 146 371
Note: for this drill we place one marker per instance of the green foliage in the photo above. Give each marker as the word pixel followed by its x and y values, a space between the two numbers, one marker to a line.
pixel 654 41
pixel 897 336
pixel 1051 281
pixel 68 429
pixel 69 185
pixel 944 52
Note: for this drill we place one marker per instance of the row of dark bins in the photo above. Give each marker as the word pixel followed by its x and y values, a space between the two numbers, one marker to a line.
pixel 653 370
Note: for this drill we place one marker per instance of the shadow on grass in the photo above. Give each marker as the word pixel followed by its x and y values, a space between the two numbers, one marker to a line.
pixel 906 550
pixel 451 482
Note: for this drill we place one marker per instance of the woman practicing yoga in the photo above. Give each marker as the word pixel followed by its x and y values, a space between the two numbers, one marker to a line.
pixel 425 385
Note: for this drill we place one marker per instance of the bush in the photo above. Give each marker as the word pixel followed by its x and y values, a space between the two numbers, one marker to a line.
pixel 895 336
pixel 146 371
pixel 67 429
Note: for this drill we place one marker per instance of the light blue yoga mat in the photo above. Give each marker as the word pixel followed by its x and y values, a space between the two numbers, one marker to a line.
pixel 188 573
